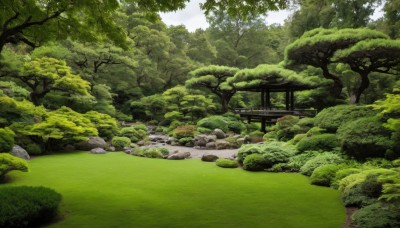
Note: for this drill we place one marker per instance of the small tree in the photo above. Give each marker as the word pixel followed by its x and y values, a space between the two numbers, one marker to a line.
pixel 211 78
pixel 46 74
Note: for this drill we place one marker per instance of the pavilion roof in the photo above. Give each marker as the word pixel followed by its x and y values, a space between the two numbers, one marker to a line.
pixel 272 78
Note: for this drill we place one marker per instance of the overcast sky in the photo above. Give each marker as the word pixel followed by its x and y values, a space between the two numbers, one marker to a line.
pixel 192 17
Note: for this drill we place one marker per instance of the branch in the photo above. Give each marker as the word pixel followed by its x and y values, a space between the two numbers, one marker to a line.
pixel 10 20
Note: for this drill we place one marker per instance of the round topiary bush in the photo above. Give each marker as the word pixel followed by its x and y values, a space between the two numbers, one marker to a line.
pixel 324 174
pixel 364 138
pixel 226 163
pixel 255 162
pixel 324 142
pixel 152 153
pixel 25 206
pixel 120 142
pixel 377 215
pixel 9 162
pixel 6 139
pixel 320 160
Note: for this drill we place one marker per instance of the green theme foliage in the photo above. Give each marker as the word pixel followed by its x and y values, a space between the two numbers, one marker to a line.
pixel 25 206
pixel 365 137
pixel 9 162
pixel 324 174
pixel 320 160
pixel 324 142
pixel 255 162
pixel 377 215
pixel 225 122
pixel 120 142
pixel 135 132
pixel 332 118
pixel 105 124
pixel 6 139
pixel 226 163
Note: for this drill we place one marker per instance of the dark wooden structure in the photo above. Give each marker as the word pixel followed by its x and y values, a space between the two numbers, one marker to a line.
pixel 265 82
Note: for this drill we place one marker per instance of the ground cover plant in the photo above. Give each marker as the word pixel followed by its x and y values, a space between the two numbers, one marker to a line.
pixel 131 191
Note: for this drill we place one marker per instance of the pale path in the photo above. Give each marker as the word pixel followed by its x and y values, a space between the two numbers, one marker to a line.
pixel 198 153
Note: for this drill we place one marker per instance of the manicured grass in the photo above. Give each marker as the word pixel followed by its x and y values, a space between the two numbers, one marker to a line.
pixel 119 190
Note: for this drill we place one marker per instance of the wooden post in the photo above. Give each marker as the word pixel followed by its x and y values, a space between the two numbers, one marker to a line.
pixel 291 99
pixel 287 99
pixel 268 98
pixel 263 124
pixel 248 119
pixel 263 99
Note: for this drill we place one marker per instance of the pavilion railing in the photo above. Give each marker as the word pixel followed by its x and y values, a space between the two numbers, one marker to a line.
pixel 275 112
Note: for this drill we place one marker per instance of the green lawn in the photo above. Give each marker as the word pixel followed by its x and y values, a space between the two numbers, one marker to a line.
pixel 119 190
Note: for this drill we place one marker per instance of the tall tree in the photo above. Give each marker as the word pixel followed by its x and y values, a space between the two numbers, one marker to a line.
pixel 378 55
pixel 212 77
pixel 317 47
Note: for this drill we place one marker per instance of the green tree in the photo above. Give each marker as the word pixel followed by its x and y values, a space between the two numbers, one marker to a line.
pixel 317 47
pixel 212 77
pixel 378 55
pixel 46 74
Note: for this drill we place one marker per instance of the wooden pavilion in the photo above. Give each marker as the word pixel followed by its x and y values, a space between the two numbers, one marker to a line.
pixel 266 79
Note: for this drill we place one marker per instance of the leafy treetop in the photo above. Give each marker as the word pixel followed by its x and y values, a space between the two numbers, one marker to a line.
pixel 272 77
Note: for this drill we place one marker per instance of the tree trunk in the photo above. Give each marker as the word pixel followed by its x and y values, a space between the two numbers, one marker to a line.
pixel 363 86
pixel 337 86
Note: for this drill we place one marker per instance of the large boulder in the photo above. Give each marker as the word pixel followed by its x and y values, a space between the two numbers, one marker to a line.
pixel 209 157
pixel 171 140
pixel 179 156
pixel 20 152
pixel 98 150
pixel 200 140
pixel 210 146
pixel 222 145
pixel 219 133
pixel 93 142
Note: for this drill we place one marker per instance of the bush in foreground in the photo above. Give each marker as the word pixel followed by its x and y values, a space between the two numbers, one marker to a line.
pixel 320 160
pixel 324 142
pixel 324 175
pixel 255 162
pixel 9 162
pixel 377 215
pixel 27 206
pixel 6 139
pixel 226 163
pixel 120 142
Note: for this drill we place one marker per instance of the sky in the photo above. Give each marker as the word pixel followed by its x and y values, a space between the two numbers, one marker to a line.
pixel 192 17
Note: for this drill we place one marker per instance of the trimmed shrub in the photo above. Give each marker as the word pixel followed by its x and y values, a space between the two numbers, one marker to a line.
pixel 105 124
pixel 353 197
pixel 227 122
pixel 296 139
pixel 321 159
pixel 376 216
pixel 371 187
pixel 315 131
pixel 9 162
pixel 255 162
pixel 186 141
pixel 120 142
pixel 285 129
pixel 204 130
pixel 334 117
pixel 184 131
pixel 246 150
pixel 296 162
pixel 134 134
pixel 340 174
pixel 324 142
pixel 152 153
pixel 25 206
pixel 6 139
pixel 226 163
pixel 324 174
pixel 365 137
pixel 33 149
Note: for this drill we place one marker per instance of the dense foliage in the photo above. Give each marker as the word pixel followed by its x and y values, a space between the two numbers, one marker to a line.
pixel 9 162
pixel 25 206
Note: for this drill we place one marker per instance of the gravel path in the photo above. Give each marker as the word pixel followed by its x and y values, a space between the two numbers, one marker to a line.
pixel 198 153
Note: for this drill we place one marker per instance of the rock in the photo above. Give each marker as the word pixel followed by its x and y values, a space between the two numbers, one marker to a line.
pixel 111 148
pixel 158 138
pixel 209 157
pixel 171 140
pixel 98 151
pixel 128 149
pixel 200 140
pixel 210 145
pixel 179 156
pixel 219 133
pixel 196 147
pixel 211 138
pixel 93 142
pixel 222 145
pixel 20 152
